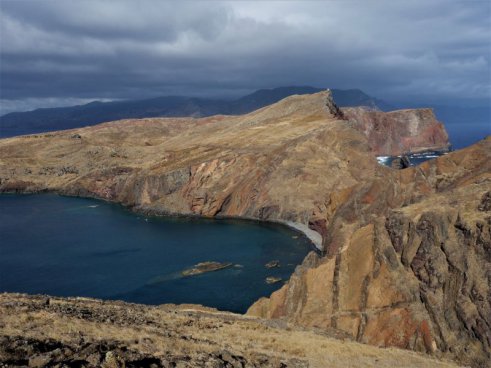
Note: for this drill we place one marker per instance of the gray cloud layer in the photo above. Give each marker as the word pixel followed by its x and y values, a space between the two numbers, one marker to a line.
pixel 61 51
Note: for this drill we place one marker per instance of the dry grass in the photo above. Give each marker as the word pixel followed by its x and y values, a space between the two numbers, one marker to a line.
pixel 179 330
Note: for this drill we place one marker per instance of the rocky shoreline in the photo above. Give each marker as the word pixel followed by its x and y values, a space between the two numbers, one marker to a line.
pixel 392 271
pixel 303 231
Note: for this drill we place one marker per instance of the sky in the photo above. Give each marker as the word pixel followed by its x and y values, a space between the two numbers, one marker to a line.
pixel 59 52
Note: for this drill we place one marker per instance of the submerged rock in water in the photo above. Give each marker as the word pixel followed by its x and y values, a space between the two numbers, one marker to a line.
pixel 272 264
pixel 272 280
pixel 205 267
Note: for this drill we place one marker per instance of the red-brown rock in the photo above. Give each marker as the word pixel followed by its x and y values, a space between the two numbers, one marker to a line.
pixel 399 132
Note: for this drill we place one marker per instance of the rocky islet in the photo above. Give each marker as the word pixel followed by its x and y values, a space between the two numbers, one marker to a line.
pixel 208 266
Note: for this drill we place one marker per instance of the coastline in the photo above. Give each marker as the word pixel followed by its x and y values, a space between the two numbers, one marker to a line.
pixel 313 236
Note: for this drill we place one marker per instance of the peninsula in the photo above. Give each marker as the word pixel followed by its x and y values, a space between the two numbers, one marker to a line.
pixel 405 254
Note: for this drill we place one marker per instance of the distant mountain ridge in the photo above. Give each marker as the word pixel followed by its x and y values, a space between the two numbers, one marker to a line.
pixel 49 119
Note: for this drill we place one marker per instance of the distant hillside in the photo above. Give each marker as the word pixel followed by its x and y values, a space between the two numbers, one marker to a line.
pixel 49 119
pixel 42 120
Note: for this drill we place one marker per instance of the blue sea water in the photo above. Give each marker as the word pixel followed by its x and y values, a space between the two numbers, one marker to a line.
pixel 465 134
pixel 82 247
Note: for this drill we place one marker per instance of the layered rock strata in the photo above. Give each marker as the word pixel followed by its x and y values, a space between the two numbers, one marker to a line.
pixel 399 132
pixel 409 263
pixel 278 163
pixel 405 253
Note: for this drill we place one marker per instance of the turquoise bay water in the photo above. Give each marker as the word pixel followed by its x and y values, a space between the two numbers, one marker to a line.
pixel 81 247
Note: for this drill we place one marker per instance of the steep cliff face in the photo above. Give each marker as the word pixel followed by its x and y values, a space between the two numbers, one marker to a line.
pixel 399 132
pixel 394 270
pixel 276 163
pixel 416 276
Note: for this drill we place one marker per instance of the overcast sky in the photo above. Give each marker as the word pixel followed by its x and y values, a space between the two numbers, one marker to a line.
pixel 59 52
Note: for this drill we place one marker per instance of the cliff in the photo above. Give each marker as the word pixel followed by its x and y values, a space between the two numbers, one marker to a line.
pixel 399 132
pixel 276 163
pixel 406 252
pixel 409 263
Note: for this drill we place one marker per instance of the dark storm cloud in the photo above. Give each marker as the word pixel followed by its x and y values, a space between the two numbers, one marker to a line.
pixel 57 52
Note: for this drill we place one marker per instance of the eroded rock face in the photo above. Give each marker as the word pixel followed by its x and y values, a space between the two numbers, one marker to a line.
pixel 393 272
pixel 417 276
pixel 277 163
pixel 399 132
pixel 400 163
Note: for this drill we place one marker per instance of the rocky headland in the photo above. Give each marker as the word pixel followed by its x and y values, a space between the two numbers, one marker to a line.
pixel 399 132
pixel 408 263
pixel 406 254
